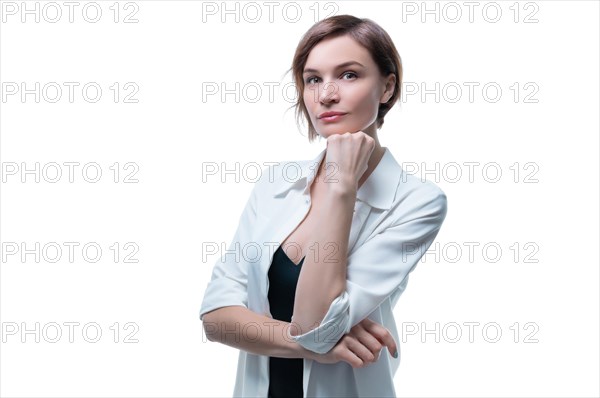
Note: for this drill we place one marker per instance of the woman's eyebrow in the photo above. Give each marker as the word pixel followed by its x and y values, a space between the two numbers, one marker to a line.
pixel 343 65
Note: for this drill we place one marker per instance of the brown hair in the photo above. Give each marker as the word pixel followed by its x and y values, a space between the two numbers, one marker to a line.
pixel 368 34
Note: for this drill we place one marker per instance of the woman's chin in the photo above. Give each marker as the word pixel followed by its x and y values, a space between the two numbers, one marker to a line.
pixel 331 130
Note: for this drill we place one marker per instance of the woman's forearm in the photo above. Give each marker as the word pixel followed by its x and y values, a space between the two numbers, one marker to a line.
pixel 241 328
pixel 323 274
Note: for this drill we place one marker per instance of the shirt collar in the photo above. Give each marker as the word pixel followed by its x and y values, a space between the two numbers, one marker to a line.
pixel 378 190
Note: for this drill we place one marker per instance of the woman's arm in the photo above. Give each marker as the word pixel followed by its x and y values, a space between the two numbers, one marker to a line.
pixel 323 274
pixel 238 327
pixel 241 328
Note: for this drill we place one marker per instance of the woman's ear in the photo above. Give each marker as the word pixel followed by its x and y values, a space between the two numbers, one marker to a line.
pixel 388 93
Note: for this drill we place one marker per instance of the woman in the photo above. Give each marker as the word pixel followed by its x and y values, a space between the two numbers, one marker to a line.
pixel 317 264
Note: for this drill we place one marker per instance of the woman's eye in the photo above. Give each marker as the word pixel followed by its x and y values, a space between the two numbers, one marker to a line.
pixel 310 79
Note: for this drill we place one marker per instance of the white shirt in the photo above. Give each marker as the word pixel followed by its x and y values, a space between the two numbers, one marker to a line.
pixel 396 218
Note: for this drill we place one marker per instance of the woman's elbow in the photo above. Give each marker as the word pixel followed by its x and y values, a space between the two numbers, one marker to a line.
pixel 210 325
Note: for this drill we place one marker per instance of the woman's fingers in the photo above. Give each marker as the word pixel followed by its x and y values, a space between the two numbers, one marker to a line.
pixel 364 355
pixel 348 355
pixel 349 153
pixel 369 341
pixel 362 345
pixel 381 334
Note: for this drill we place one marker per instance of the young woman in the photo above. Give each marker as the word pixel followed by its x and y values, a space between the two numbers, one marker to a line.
pixel 317 264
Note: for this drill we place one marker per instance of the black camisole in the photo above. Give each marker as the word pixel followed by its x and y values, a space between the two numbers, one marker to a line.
pixel 285 374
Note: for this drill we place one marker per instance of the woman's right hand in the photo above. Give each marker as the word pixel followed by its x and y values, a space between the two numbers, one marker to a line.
pixel 361 346
pixel 348 154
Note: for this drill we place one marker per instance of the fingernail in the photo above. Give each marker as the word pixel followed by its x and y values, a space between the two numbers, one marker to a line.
pixel 395 355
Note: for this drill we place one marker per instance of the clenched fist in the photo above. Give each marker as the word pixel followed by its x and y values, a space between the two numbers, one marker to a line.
pixel 346 159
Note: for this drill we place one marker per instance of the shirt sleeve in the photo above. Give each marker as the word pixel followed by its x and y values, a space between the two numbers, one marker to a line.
pixel 375 270
pixel 229 280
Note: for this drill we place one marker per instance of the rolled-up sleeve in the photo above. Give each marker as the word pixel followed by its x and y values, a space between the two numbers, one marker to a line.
pixel 229 280
pixel 375 270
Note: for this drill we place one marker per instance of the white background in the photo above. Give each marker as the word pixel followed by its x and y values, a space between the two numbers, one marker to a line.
pixel 172 131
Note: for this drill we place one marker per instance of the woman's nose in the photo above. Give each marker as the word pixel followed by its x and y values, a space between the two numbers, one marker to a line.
pixel 330 92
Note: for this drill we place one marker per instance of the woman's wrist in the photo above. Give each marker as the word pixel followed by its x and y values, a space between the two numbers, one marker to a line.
pixel 342 191
pixel 302 352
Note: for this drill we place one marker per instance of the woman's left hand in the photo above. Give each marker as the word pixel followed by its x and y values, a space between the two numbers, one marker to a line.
pixel 361 346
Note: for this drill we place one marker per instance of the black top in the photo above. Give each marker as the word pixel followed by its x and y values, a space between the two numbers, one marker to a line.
pixel 285 374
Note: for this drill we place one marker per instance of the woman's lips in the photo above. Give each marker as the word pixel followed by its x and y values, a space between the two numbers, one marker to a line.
pixel 333 118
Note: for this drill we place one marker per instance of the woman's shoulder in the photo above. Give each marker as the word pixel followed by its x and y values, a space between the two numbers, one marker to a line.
pixel 413 189
pixel 416 194
pixel 413 185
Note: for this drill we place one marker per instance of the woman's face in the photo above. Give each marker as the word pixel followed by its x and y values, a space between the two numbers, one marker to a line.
pixel 341 76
